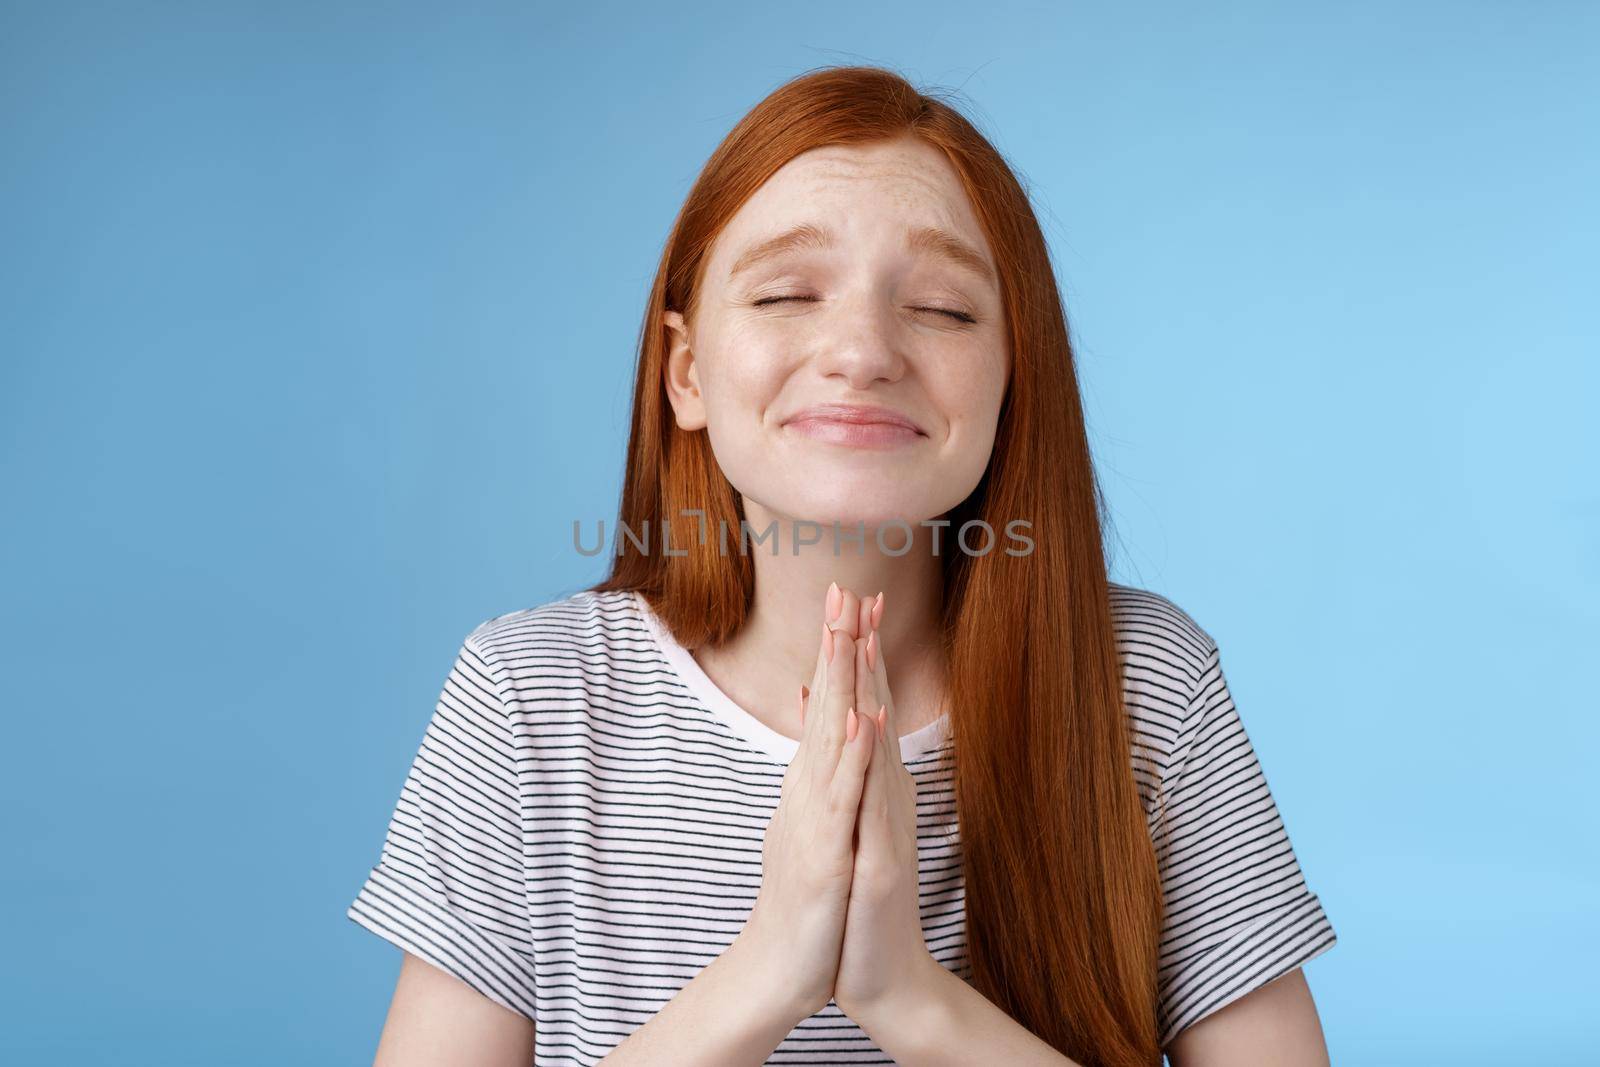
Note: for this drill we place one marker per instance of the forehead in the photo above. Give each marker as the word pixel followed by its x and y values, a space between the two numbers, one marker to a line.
pixel 894 185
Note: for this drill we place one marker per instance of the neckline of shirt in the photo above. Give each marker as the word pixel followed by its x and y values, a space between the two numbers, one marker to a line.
pixel 751 729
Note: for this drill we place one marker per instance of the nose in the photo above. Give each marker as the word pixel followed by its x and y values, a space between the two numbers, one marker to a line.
pixel 863 346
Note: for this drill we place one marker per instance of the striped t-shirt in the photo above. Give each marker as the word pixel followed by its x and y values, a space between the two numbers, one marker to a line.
pixel 580 833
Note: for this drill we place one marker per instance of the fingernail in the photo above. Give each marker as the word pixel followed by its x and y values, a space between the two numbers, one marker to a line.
pixel 827 643
pixel 872 651
pixel 835 601
pixel 877 612
pixel 883 718
pixel 850 725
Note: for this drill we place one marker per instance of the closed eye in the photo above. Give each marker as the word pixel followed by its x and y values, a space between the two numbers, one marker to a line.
pixel 959 316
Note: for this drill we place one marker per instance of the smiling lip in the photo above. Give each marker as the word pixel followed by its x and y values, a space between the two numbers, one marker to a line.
pixel 855 424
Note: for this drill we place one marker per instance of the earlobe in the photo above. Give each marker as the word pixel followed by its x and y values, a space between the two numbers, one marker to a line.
pixel 681 375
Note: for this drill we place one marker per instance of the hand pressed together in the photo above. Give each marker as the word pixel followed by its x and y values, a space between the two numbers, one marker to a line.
pixel 883 950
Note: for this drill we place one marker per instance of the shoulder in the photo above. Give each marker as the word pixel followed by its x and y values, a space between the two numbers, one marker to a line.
pixel 1164 654
pixel 552 662
pixel 1154 634
pixel 583 624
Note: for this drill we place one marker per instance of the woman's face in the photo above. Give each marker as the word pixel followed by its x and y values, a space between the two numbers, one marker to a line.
pixel 848 355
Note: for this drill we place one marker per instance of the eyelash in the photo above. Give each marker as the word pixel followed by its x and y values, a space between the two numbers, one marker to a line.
pixel 959 316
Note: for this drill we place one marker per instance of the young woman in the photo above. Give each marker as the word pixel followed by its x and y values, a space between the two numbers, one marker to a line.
pixel 815 776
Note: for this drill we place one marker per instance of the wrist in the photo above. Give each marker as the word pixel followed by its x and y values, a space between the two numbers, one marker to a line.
pixel 769 999
pixel 912 1013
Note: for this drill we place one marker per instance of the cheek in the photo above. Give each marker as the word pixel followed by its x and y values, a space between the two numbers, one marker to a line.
pixel 741 379
pixel 741 385
pixel 971 399
pixel 972 406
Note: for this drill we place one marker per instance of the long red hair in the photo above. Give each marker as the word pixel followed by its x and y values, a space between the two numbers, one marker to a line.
pixel 1063 899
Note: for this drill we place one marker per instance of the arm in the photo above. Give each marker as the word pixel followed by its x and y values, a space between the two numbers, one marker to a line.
pixel 1275 1024
pixel 940 1019
pixel 441 888
pixel 435 1019
pixel 1240 920
pixel 730 1015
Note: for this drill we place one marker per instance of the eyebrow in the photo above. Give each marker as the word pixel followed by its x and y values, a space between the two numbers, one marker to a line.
pixel 930 239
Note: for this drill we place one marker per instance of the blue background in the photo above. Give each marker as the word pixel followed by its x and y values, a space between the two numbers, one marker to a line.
pixel 319 323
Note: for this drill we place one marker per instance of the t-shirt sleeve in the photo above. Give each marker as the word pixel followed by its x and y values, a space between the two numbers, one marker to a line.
pixel 1238 912
pixel 449 886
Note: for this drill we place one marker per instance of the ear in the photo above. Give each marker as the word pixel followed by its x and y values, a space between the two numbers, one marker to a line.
pixel 681 375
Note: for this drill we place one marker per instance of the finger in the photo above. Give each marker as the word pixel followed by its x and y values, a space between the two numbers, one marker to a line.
pixel 872 612
pixel 849 616
pixel 866 685
pixel 881 691
pixel 864 617
pixel 838 697
pixel 797 761
pixel 873 828
pixel 832 605
pixel 849 778
pixel 839 614
pixel 814 692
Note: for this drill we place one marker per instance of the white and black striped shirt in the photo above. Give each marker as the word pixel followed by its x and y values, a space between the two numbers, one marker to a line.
pixel 580 832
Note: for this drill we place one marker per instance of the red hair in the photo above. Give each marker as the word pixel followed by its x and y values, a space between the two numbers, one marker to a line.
pixel 1063 898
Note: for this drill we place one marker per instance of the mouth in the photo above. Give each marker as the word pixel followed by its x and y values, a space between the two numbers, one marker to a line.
pixel 856 425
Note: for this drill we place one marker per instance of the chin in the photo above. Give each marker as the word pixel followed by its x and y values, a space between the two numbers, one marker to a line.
pixel 870 508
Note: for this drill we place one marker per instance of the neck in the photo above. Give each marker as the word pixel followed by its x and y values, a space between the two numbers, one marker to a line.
pixel 762 666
